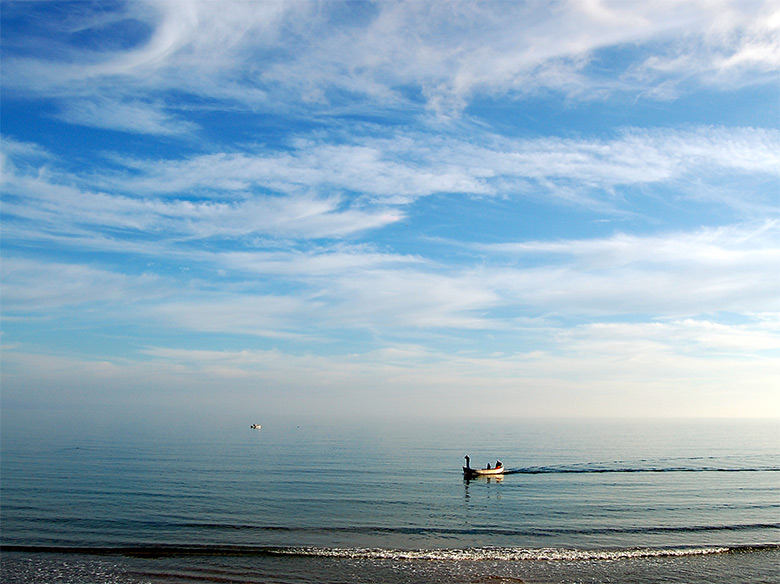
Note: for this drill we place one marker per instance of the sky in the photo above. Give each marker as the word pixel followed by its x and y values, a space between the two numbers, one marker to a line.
pixel 444 209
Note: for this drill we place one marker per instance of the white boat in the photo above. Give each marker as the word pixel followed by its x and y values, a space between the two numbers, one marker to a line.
pixel 255 426
pixel 479 472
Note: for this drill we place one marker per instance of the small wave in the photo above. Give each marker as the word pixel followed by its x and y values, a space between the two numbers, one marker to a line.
pixel 502 554
pixel 363 532
pixel 357 530
pixel 507 554
pixel 368 530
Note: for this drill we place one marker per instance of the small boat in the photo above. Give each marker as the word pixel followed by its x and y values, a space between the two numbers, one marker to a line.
pixel 480 472
pixel 255 426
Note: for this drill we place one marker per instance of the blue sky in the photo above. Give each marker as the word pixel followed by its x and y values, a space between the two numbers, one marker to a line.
pixel 451 208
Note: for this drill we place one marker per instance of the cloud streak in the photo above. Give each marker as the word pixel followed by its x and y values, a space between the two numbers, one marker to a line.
pixel 306 192
pixel 711 272
pixel 264 53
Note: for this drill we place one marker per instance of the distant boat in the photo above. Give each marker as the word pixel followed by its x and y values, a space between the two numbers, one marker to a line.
pixel 479 472
pixel 255 426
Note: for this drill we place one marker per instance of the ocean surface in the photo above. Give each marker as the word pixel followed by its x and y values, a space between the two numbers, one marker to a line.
pixel 689 501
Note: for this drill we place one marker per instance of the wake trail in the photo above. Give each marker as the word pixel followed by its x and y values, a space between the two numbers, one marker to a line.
pixel 601 470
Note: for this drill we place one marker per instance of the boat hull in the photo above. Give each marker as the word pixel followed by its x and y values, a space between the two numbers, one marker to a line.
pixel 482 472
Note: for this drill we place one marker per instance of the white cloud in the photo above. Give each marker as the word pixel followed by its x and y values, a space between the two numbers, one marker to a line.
pixel 704 271
pixel 334 292
pixel 738 37
pixel 730 269
pixel 718 247
pixel 397 169
pixel 317 263
pixel 36 287
pixel 321 190
pixel 265 315
pixel 406 166
pixel 15 151
pixel 135 117
pixel 385 299
pixel 454 51
pixel 700 338
pixel 269 53
pixel 49 200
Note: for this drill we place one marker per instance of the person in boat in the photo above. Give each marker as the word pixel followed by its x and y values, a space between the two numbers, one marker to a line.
pixel 499 464
pixel 488 466
pixel 468 463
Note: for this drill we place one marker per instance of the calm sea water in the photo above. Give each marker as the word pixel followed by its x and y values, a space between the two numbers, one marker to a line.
pixel 597 501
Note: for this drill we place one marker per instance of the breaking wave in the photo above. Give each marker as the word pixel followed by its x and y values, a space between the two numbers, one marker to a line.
pixel 506 554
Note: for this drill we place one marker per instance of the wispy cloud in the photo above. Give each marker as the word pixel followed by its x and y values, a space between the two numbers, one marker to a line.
pixel 568 202
pixel 704 272
pixel 403 167
pixel 300 53
pixel 161 209
pixel 318 179
pixel 48 197
pixel 341 289
pixel 32 288
pixel 139 117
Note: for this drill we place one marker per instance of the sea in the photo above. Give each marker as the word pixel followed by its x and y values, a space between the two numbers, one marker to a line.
pixel 385 501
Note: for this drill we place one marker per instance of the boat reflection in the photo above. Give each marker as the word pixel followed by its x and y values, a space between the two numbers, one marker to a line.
pixel 483 479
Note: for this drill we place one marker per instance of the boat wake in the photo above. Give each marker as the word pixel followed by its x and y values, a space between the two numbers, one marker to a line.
pixel 617 469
